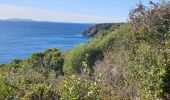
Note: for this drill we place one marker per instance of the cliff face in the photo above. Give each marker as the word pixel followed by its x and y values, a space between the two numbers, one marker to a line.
pixel 95 29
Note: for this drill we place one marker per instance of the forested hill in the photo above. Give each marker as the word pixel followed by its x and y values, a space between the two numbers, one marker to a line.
pixel 129 62
pixel 100 29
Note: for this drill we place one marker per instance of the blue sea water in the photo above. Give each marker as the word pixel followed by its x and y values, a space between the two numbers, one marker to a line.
pixel 18 40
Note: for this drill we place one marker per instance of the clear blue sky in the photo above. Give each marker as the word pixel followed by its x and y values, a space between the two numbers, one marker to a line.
pixel 106 10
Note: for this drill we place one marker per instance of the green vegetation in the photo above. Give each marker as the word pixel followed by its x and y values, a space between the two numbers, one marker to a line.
pixel 75 57
pixel 76 88
pixel 50 59
pixel 101 29
pixel 127 62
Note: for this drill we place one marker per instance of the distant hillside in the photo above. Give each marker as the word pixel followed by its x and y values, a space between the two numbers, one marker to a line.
pixel 18 19
pixel 95 29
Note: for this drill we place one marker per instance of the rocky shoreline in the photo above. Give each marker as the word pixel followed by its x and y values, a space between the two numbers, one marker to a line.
pixel 95 29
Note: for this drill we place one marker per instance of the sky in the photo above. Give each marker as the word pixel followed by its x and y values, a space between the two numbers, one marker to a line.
pixel 78 11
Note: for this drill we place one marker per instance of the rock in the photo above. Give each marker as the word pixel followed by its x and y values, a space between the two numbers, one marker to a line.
pixel 95 29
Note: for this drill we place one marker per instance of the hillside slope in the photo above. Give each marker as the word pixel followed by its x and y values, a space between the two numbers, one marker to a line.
pixel 128 62
pixel 100 29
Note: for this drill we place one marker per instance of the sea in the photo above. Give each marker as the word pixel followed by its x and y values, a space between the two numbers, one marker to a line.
pixel 20 39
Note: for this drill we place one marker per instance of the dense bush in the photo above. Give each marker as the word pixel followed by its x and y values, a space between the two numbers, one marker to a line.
pixel 50 59
pixel 42 93
pixel 23 79
pixel 133 67
pixel 133 61
pixel 152 26
pixel 156 19
pixel 95 48
pixel 6 91
pixel 76 88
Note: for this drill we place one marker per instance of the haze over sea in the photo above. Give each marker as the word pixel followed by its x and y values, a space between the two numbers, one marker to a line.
pixel 19 39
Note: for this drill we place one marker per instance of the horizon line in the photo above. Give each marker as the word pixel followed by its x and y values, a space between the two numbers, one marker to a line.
pixel 32 20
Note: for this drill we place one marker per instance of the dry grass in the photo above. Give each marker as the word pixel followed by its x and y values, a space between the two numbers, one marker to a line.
pixel 113 77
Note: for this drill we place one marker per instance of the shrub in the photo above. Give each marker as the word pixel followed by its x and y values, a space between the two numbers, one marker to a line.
pixel 24 80
pixel 6 91
pixel 50 59
pixel 155 19
pixel 42 93
pixel 79 89
pixel 95 48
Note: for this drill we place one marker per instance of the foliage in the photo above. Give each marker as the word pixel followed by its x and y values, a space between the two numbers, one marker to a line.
pixel 76 88
pixel 150 57
pixel 42 93
pixel 25 78
pixel 25 82
pixel 156 19
pixel 50 59
pixel 6 91
pixel 101 29
pixel 133 62
pixel 95 48
pixel 166 64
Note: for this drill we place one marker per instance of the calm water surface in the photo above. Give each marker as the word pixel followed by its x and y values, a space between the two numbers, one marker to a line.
pixel 18 40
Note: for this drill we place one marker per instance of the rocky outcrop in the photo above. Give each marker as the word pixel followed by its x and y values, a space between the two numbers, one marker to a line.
pixel 94 30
